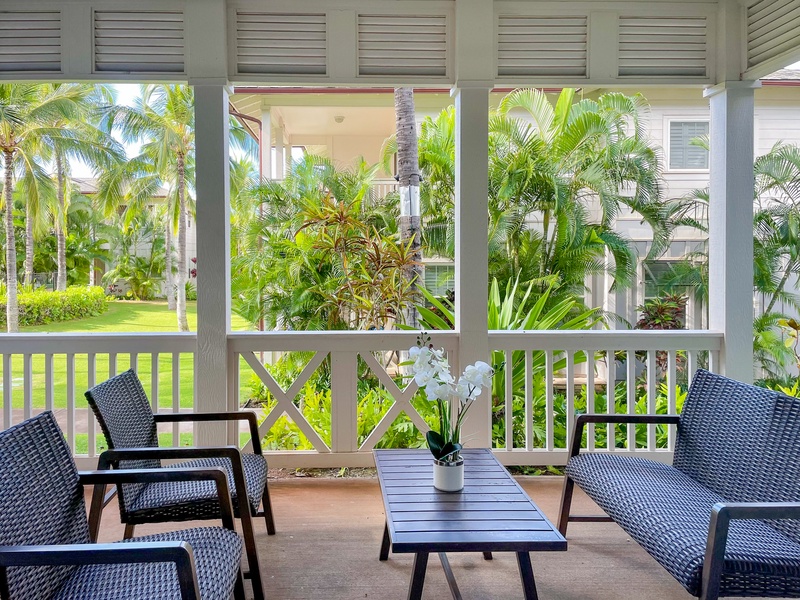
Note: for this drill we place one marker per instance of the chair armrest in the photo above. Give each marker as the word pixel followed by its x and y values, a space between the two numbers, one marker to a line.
pixel 248 416
pixel 176 552
pixel 722 514
pixel 100 479
pixel 616 419
pixel 111 457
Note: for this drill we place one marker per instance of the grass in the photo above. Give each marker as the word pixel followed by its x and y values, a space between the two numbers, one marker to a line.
pixel 121 316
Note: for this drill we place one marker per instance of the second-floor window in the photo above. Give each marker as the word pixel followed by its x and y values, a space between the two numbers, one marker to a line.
pixel 683 155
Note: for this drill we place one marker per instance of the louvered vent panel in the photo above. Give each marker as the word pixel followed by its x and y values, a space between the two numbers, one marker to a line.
pixel 663 46
pixel 772 27
pixel 138 41
pixel 30 41
pixel 541 46
pixel 281 44
pixel 402 45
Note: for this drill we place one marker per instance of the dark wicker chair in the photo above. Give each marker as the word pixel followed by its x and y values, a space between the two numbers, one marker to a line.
pixel 45 547
pixel 123 411
pixel 724 519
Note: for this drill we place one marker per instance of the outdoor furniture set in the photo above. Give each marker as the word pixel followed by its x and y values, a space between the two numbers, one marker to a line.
pixel 724 520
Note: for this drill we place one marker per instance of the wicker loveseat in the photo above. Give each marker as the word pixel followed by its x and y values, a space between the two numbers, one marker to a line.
pixel 724 519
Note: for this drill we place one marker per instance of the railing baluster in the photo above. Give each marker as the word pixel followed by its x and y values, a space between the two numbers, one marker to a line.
pixel 549 412
pixel 652 369
pixel 630 379
pixel 91 365
pixel 71 401
pixel 154 381
pixel 590 397
pixel 176 396
pixel 570 358
pixel 49 384
pixel 8 397
pixel 529 399
pixel 691 366
pixel 27 386
pixel 134 362
pixel 112 364
pixel 611 406
pixel 672 394
pixel 233 394
pixel 509 399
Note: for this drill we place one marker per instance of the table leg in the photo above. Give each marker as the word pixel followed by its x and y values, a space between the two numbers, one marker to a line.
pixel 451 579
pixel 487 556
pixel 526 575
pixel 384 555
pixel 418 576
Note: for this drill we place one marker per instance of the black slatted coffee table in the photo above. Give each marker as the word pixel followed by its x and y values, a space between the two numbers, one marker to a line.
pixel 491 514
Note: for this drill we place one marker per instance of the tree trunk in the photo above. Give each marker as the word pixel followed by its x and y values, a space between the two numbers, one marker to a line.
pixel 61 228
pixel 12 309
pixel 183 324
pixel 408 177
pixel 169 279
pixel 28 244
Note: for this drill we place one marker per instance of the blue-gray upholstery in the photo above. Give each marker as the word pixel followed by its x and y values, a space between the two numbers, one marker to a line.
pixel 42 503
pixel 735 443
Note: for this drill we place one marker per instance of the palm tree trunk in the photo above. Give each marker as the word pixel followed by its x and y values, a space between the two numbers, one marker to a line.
pixel 170 283
pixel 28 245
pixel 779 289
pixel 12 309
pixel 408 177
pixel 61 228
pixel 183 324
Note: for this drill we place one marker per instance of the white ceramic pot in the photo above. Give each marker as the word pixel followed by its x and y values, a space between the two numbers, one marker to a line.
pixel 448 476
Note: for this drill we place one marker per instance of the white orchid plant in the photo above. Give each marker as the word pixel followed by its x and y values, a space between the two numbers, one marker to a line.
pixel 453 398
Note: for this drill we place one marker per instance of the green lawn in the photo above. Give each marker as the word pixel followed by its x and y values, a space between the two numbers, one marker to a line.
pixel 121 316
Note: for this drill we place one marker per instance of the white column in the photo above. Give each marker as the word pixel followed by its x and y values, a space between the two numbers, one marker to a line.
pixel 280 151
pixel 472 245
pixel 213 249
pixel 266 144
pixel 731 224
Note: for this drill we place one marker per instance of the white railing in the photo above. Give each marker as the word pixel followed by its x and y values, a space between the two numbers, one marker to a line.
pixel 52 372
pixel 552 375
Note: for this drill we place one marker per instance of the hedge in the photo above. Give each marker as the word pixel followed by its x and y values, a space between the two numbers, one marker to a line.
pixel 43 306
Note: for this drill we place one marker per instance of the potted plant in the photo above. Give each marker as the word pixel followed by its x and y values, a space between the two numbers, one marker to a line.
pixel 452 398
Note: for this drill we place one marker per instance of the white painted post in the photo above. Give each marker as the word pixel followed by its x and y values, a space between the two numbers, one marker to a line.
pixel 474 80
pixel 472 246
pixel 731 224
pixel 265 147
pixel 213 250
pixel 280 151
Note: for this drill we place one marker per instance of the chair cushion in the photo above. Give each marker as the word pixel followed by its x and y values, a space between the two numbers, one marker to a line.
pixel 186 500
pixel 217 554
pixel 668 514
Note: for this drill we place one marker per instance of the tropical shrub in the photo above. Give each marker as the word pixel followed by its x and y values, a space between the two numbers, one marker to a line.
pixel 39 307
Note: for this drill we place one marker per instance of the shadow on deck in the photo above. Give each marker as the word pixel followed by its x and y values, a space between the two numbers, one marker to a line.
pixel 329 534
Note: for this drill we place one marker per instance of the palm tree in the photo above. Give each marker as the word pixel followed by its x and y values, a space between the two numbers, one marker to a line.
pixel 163 117
pixel 27 112
pixel 78 139
pixel 409 180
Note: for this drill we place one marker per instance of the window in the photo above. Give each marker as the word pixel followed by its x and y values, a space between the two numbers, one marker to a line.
pixel 683 155
pixel 658 274
pixel 439 278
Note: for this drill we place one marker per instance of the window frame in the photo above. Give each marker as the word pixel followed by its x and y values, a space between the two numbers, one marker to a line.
pixel 667 137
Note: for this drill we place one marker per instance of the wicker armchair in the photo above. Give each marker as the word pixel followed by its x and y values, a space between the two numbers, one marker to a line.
pixel 45 547
pixel 123 411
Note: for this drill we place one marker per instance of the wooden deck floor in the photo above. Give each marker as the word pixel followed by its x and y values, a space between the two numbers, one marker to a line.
pixel 329 534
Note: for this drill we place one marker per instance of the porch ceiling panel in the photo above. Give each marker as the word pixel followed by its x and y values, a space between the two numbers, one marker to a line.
pixel 270 43
pixel 772 40
pixel 542 45
pixel 30 41
pixel 137 41
pixel 663 46
pixel 396 44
